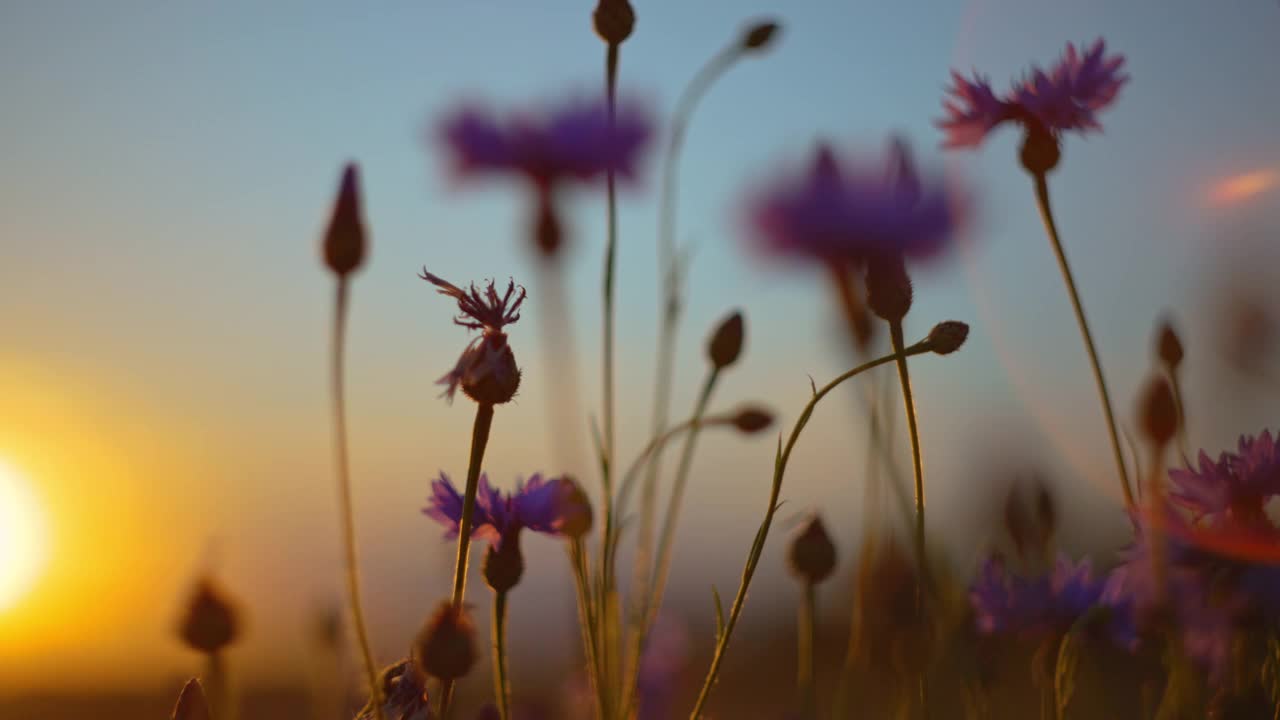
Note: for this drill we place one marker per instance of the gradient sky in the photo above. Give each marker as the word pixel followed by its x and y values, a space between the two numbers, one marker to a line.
pixel 165 170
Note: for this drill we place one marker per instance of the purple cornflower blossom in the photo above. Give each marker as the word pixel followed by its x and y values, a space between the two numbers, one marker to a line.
pixel 540 504
pixel 572 143
pixel 486 370
pixel 1238 485
pixel 1004 602
pixel 849 213
pixel 1066 97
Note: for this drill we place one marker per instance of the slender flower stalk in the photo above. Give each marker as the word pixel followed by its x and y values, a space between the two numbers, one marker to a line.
pixel 501 686
pixel 909 405
pixel 345 248
pixel 1051 229
pixel 806 652
pixel 762 534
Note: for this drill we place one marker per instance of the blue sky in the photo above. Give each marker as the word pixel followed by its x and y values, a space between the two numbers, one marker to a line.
pixel 167 168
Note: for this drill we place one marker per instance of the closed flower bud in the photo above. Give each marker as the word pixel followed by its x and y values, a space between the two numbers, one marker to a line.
pixel 548 235
pixel 575 510
pixel 752 419
pixel 726 341
pixel 888 288
pixel 210 623
pixel 947 337
pixel 503 563
pixel 1169 346
pixel 446 646
pixel 614 20
pixel 759 36
pixel 1040 151
pixel 1159 412
pixel 812 555
pixel 192 704
pixel 344 241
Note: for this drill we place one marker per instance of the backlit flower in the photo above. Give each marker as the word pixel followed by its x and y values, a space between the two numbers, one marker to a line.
pixel 486 371
pixel 541 504
pixel 1066 97
pixel 1237 484
pixel 1005 602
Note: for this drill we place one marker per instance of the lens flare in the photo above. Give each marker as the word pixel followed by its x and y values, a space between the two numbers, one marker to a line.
pixel 22 536
pixel 1238 188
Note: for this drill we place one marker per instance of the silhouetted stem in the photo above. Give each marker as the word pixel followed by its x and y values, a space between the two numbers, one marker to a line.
pixel 757 546
pixel 501 686
pixel 346 514
pixel 1051 228
pixel 479 441
pixel 917 461
pixel 610 263
pixel 805 646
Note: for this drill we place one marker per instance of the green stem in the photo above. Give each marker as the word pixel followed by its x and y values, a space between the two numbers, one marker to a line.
pixel 346 514
pixel 917 461
pixel 757 546
pixel 1051 228
pixel 587 619
pixel 479 441
pixel 805 644
pixel 501 686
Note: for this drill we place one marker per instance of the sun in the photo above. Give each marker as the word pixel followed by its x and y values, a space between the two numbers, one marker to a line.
pixel 23 539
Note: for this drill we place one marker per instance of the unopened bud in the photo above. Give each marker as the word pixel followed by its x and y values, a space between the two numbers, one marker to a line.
pixel 614 20
pixel 548 235
pixel 210 623
pixel 575 509
pixel 344 241
pixel 726 342
pixel 752 419
pixel 947 337
pixel 1159 412
pixel 1046 511
pixel 503 563
pixel 1040 151
pixel 888 288
pixel 446 646
pixel 490 373
pixel 759 36
pixel 192 703
pixel 1168 346
pixel 812 555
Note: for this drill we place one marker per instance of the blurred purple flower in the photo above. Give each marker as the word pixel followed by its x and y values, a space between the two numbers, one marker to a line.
pixel 1004 602
pixel 570 142
pixel 1236 485
pixel 1066 97
pixel 850 214
pixel 541 505
pixel 666 655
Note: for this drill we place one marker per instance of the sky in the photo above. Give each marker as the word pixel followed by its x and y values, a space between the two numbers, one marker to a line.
pixel 166 169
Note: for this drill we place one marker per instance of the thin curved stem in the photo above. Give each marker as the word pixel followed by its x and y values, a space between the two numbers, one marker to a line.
pixel 345 512
pixel 757 546
pixel 479 441
pixel 501 686
pixel 1051 228
pixel 917 460
pixel 587 619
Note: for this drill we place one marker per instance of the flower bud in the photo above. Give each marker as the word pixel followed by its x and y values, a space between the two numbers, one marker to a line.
pixel 1159 412
pixel 759 36
pixel 490 375
pixel 575 510
pixel 210 623
pixel 1168 346
pixel 446 646
pixel 614 20
pixel 1040 150
pixel 888 288
pixel 812 555
pixel 548 235
pixel 192 703
pixel 752 419
pixel 344 241
pixel 946 337
pixel 503 563
pixel 726 342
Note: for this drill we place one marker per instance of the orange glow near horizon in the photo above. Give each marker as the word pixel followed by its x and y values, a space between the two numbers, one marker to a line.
pixel 1238 188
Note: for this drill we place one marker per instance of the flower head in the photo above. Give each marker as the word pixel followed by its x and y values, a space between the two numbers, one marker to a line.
pixel 1066 97
pixel 486 371
pixel 541 505
pixel 1007 603
pixel 850 212
pixel 1237 483
pixel 573 142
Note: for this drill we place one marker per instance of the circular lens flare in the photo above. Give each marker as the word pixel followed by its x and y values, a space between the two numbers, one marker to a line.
pixel 23 539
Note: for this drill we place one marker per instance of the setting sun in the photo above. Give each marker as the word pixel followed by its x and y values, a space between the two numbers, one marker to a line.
pixel 22 536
